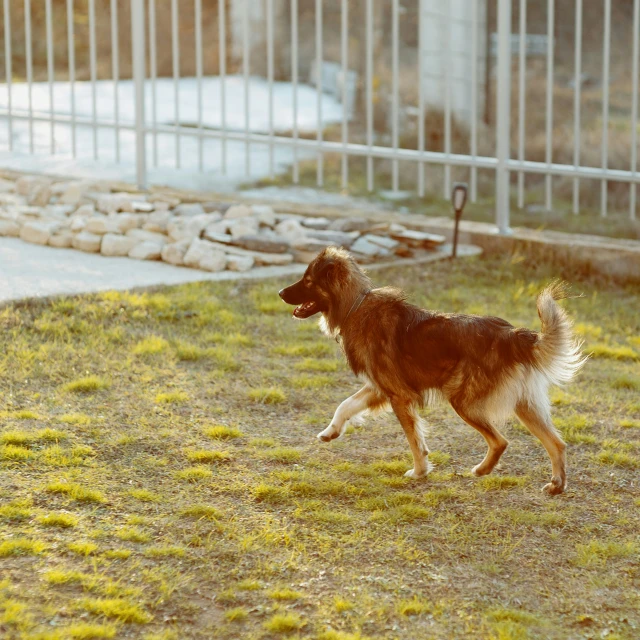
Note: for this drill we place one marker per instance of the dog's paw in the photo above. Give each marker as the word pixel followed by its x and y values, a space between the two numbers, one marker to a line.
pixel 328 434
pixel 412 473
pixel 554 487
pixel 480 470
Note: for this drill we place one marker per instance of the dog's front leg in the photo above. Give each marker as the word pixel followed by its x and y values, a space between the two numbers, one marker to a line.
pixel 414 430
pixel 366 398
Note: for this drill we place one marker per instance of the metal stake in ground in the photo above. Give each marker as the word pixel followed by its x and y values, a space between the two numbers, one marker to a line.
pixel 458 200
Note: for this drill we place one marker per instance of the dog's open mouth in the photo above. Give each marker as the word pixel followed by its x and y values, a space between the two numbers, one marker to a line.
pixel 305 310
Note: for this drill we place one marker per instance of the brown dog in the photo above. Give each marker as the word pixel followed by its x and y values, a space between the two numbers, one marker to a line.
pixel 407 356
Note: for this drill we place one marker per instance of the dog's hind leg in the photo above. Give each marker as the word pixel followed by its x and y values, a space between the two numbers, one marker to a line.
pixel 537 419
pixel 414 430
pixel 366 398
pixel 496 442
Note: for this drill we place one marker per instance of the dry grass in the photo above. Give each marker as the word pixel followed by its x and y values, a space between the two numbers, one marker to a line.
pixel 213 515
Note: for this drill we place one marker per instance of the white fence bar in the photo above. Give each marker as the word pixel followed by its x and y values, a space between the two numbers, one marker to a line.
pixel 153 70
pixel 222 55
pixel 269 9
pixel 369 84
pixel 576 104
pixel 50 73
pixel 245 73
pixel 175 48
pixel 522 70
pixel 115 72
pixel 198 30
pixel 29 61
pixel 294 82
pixel 503 115
pixel 72 74
pixel 447 102
pixel 8 72
pixel 634 106
pixel 138 59
pixel 344 56
pixel 606 50
pixel 395 74
pixel 474 98
pixel 320 161
pixel 549 107
pixel 93 67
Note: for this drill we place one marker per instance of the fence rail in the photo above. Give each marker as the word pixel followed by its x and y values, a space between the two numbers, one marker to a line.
pixel 162 124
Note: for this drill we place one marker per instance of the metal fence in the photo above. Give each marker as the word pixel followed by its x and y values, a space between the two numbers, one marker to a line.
pixel 134 112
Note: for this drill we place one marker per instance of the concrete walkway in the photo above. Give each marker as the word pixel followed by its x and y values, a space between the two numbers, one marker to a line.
pixel 33 271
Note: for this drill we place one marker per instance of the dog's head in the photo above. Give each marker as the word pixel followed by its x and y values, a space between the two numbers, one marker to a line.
pixel 321 284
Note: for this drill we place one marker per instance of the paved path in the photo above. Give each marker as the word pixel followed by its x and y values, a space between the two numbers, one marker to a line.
pixel 31 271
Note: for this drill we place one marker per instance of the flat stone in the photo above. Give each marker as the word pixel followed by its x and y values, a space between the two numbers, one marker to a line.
pixel 266 244
pixel 271 259
pixel 84 211
pixel 12 199
pixel 117 245
pixel 187 228
pixel 78 224
pixel 225 238
pixel 62 239
pixel 214 261
pixel 382 241
pixel 418 238
pixel 140 206
pixel 197 250
pixel 125 221
pixel 215 207
pixel 157 221
pixel 315 223
pixel 291 229
pixel 72 194
pixel 265 214
pixel 311 245
pixel 173 252
pixel 334 238
pixel 39 194
pixel 101 225
pixel 7 186
pixel 240 263
pixel 367 248
pixel 244 227
pixel 189 209
pixel 146 250
pixel 25 183
pixel 238 211
pixel 57 210
pixel 114 202
pixel 217 228
pixel 350 224
pixel 86 241
pixel 9 228
pixel 147 236
pixel 38 232
pixel 170 201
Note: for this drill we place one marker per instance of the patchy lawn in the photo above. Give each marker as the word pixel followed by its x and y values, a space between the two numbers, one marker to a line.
pixel 160 477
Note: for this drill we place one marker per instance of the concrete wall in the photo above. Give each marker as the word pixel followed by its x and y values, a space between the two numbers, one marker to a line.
pixel 448 25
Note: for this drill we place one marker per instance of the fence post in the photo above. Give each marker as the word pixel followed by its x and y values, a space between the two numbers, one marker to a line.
pixel 138 59
pixel 503 115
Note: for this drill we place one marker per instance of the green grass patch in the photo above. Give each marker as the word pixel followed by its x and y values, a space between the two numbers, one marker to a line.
pixel 208 457
pixel 189 352
pixel 51 435
pixel 21 547
pixel 116 608
pixel 628 423
pixel 223 432
pixel 270 494
pixel 342 605
pixel 82 548
pixel 62 520
pixel 194 474
pixel 131 534
pixel 597 552
pixel 414 607
pixel 172 397
pixel 25 414
pixel 617 459
pixel 144 495
pixel 13 453
pixel 632 383
pixel 284 623
pixel 284 594
pixel 497 483
pixel 312 382
pixel 76 492
pixel 15 512
pixel 319 366
pixel 281 454
pixel 165 552
pixel 88 384
pixel 201 512
pixel 237 614
pixel 17 438
pixel 613 353
pixel 77 419
pixel 151 346
pixel 304 349
pixel 267 395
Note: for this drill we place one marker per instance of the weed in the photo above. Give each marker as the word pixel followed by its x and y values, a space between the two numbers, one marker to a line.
pixel 414 607
pixel 493 483
pixel 626 382
pixel 172 397
pixel 284 594
pixel 284 623
pixel 165 552
pixel 82 548
pixel 223 432
pixel 131 534
pixel 201 511
pixel 281 454
pixel 613 353
pixel 270 395
pixel 76 492
pixel 194 474
pixel 617 459
pixel 88 384
pixel 12 453
pixel 341 605
pixel 21 546
pixel 116 608
pixel 62 520
pixel 596 552
pixel 320 366
pixel 271 494
pixel 238 614
pixel 151 346
pixel 144 495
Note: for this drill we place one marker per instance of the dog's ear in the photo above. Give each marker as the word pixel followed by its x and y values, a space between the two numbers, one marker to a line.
pixel 331 272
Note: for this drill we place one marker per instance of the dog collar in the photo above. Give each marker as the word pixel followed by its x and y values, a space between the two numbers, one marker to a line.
pixel 359 302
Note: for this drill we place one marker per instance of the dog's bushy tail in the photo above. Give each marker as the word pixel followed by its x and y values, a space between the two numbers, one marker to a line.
pixel 558 354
